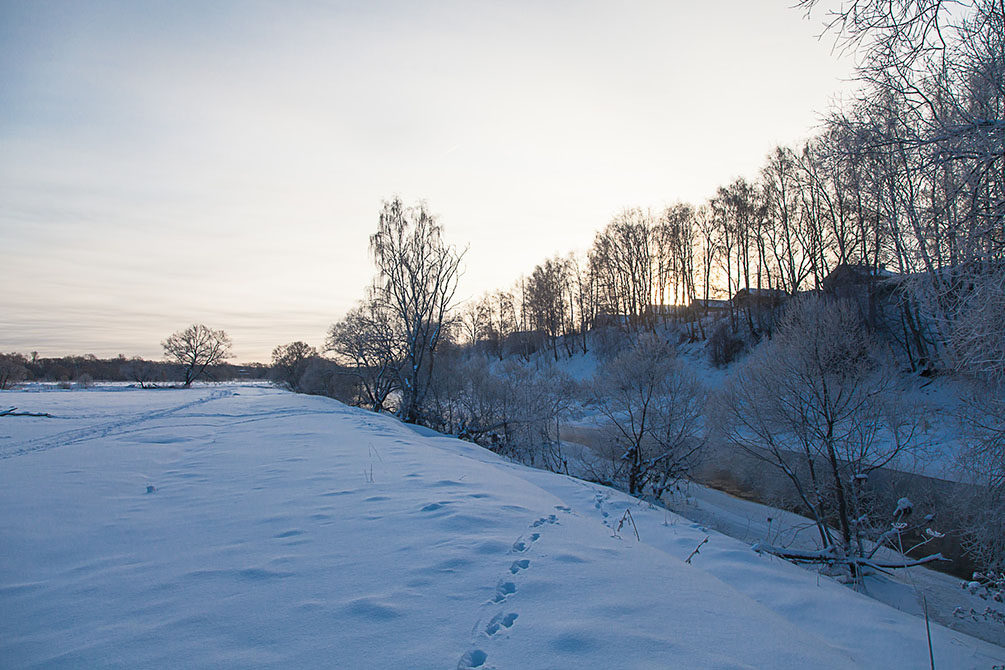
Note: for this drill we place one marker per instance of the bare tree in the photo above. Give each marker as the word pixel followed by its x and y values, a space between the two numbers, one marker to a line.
pixel 12 370
pixel 416 282
pixel 196 348
pixel 584 295
pixel 547 290
pixel 475 320
pixel 622 263
pixel 500 308
pixel 652 406
pixel 369 345
pixel 145 373
pixel 707 232
pixel 290 362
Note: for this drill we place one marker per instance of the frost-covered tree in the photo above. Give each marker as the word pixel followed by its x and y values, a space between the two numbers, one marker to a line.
pixel 976 338
pixel 983 464
pixel 652 407
pixel 513 407
pixel 979 354
pixel 196 348
pixel 927 133
pixel 816 403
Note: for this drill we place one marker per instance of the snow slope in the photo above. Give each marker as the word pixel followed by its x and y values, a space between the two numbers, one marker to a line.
pixel 292 531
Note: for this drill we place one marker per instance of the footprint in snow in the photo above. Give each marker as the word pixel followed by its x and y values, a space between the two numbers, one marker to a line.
pixel 551 518
pixel 500 621
pixel 517 566
pixel 503 591
pixel 473 659
pixel 523 545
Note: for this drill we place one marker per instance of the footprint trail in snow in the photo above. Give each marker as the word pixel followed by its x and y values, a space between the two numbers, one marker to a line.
pixel 506 589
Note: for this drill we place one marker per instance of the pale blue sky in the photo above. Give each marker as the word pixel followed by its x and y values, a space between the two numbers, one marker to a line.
pixel 163 163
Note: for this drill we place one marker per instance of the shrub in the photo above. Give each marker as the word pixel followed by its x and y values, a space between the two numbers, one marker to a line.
pixel 724 346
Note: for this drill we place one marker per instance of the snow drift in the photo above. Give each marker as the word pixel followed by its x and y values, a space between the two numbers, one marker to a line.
pixel 292 531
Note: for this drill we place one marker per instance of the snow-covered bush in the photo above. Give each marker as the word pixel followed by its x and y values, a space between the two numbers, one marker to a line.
pixel 324 377
pixel 512 406
pixel 723 345
pixel 145 373
pixel 817 402
pixel 982 464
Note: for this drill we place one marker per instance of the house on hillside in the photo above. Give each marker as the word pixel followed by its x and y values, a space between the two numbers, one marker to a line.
pixel 766 298
pixel 883 303
pixel 854 280
pixel 874 290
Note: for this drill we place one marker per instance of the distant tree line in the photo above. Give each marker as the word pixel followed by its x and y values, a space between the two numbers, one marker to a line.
pixel 16 368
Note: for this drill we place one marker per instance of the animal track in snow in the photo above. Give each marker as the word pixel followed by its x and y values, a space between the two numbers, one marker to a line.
pixel 598 502
pixel 523 545
pixel 503 591
pixel 517 566
pixel 473 659
pixel 500 621
pixel 551 518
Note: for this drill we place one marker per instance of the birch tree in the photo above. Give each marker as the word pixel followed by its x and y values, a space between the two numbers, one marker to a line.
pixel 417 274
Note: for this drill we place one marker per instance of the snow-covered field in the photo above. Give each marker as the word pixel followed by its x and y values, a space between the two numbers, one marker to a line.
pixel 291 531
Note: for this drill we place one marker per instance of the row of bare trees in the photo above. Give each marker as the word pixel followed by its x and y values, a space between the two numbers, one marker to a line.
pixel 905 181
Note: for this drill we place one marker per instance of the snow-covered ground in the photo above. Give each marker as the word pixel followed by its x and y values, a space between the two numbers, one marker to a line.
pixel 292 531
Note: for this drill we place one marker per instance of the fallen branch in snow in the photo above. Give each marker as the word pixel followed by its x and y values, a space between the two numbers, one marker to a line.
pixel 12 411
pixel 696 550
pixel 831 555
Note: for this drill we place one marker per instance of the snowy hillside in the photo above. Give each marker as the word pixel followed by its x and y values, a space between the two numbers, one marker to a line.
pixel 292 531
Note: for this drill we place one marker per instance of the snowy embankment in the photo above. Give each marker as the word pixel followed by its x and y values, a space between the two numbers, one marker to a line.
pixel 291 531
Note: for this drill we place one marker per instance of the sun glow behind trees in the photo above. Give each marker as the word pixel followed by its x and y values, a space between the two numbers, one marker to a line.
pixel 224 164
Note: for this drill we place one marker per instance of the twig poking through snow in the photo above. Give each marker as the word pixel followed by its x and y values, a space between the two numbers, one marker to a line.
pixel 627 516
pixel 928 630
pixel 696 550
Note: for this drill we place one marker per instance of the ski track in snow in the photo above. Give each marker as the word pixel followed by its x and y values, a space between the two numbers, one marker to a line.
pixel 104 429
